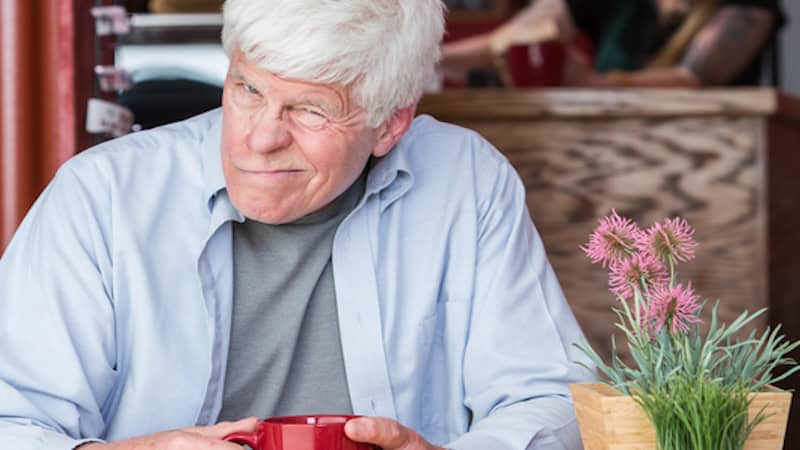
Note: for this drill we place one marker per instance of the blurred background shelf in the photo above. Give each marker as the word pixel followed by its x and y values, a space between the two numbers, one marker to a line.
pixel 154 29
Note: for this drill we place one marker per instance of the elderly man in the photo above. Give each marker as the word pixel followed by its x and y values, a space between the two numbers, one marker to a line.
pixel 310 248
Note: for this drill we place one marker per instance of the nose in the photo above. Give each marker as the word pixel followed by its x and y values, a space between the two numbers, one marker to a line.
pixel 268 131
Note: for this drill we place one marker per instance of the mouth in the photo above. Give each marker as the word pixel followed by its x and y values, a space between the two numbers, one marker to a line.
pixel 271 177
pixel 271 171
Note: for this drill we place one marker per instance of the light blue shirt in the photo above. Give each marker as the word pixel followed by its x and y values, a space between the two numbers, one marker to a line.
pixel 116 297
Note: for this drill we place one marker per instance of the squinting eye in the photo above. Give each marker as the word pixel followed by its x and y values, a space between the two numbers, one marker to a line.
pixel 246 96
pixel 251 89
pixel 309 117
pixel 247 89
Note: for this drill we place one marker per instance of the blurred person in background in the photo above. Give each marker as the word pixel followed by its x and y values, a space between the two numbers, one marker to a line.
pixel 670 43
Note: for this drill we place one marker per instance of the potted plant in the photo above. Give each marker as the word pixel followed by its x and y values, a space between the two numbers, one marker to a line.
pixel 687 388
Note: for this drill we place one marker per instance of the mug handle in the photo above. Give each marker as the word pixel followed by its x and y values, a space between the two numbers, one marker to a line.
pixel 250 439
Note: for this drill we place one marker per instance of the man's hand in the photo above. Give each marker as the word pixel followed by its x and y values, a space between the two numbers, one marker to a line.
pixel 386 434
pixel 191 438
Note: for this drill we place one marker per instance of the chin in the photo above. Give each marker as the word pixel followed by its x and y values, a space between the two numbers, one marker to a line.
pixel 271 212
pixel 270 217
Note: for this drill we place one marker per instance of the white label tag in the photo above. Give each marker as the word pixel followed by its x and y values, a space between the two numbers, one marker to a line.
pixel 104 117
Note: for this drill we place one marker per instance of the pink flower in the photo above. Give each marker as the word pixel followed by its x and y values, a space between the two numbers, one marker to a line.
pixel 613 240
pixel 675 307
pixel 641 267
pixel 669 241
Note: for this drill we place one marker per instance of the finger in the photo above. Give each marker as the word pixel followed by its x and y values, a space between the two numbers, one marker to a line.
pixel 380 431
pixel 223 429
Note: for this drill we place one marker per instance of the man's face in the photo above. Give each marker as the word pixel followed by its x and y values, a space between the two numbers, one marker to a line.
pixel 289 147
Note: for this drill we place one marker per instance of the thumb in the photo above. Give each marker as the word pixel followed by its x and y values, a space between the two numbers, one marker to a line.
pixel 223 429
pixel 383 432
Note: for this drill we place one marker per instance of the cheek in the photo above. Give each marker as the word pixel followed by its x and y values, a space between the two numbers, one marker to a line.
pixel 234 136
pixel 335 161
pixel 235 122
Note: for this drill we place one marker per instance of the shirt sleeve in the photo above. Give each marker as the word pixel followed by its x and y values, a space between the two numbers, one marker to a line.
pixel 57 347
pixel 520 357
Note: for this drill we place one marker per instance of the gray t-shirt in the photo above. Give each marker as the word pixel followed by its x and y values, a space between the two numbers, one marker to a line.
pixel 285 354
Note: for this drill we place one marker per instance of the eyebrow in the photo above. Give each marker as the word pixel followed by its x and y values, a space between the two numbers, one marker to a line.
pixel 333 106
pixel 318 103
pixel 238 76
pixel 310 99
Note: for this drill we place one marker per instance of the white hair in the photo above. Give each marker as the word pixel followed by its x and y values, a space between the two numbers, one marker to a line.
pixel 385 50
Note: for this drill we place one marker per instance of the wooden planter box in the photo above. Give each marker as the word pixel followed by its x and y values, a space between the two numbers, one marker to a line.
pixel 611 420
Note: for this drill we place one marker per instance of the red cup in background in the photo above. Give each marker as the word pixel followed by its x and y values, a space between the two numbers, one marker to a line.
pixel 535 65
pixel 315 432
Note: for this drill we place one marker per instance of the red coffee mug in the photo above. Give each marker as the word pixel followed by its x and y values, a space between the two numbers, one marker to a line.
pixel 317 432
pixel 535 65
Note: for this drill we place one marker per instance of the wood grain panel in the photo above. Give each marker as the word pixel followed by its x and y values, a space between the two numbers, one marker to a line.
pixel 460 105
pixel 704 169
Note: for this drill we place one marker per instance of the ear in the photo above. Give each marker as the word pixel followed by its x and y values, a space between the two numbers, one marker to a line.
pixel 393 129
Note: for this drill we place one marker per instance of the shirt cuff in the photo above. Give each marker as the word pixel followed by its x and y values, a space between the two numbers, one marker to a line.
pixel 58 441
pixel 32 437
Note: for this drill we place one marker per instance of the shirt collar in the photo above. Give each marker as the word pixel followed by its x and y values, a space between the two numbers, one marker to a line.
pixel 392 175
pixel 220 206
pixel 213 177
